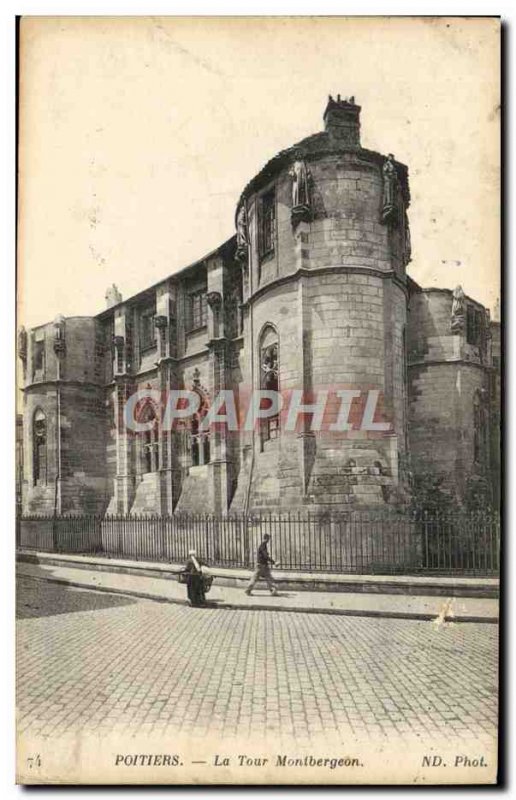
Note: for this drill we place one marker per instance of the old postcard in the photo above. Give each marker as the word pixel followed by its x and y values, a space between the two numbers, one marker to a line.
pixel 258 430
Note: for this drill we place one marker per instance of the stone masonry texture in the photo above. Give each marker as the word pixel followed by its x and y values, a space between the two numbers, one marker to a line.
pixel 330 287
pixel 99 663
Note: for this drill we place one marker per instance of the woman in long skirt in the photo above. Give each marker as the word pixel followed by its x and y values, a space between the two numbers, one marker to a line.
pixel 195 581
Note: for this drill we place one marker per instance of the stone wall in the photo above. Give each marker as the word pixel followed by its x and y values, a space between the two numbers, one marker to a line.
pixel 445 375
pixel 69 392
pixel 84 486
pixel 338 330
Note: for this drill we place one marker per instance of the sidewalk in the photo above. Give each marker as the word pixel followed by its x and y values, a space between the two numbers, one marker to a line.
pixel 167 589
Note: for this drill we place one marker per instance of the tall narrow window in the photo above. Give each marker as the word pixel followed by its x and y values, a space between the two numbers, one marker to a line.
pixel 150 440
pixel 197 309
pixel 147 330
pixel 199 438
pixel 473 325
pixel 267 223
pixel 39 447
pixel 39 356
pixel 269 380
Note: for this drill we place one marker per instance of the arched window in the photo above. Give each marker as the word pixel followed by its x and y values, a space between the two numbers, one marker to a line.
pixel 150 439
pixel 269 379
pixel 199 438
pixel 39 447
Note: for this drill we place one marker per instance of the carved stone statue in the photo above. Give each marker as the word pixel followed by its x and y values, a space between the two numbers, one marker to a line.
pixel 113 296
pixel 59 327
pixel 300 175
pixel 196 378
pixel 458 311
pixel 242 233
pixel 496 311
pixel 214 300
pixel 270 368
pixel 59 334
pixel 160 321
pixel 241 227
pixel 300 189
pixel 22 344
pixel 390 187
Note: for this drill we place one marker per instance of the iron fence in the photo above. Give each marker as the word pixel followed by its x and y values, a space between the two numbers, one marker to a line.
pixel 360 542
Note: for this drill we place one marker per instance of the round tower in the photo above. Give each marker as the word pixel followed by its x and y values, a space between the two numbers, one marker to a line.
pixel 323 237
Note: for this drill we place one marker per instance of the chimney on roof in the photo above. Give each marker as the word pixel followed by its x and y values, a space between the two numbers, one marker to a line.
pixel 342 121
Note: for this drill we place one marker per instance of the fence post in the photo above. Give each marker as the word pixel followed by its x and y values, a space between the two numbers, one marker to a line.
pixel 245 539
pixel 161 522
pixel 54 533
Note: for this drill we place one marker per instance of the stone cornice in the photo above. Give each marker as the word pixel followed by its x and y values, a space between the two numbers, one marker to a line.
pixel 61 382
pixel 303 272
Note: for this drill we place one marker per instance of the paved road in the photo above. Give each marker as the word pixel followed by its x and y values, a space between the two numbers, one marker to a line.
pixel 97 661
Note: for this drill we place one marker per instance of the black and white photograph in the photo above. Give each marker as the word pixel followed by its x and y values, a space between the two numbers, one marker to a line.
pixel 258 400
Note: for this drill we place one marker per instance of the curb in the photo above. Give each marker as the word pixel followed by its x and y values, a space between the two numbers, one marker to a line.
pixel 418 616
pixel 378 585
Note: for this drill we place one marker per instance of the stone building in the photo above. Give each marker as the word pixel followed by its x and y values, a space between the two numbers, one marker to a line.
pixel 310 294
pixel 18 443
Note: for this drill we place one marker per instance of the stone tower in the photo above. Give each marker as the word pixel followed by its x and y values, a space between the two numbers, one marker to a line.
pixel 323 237
pixel 64 418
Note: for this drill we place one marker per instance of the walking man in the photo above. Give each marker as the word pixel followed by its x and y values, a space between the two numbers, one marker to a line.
pixel 263 570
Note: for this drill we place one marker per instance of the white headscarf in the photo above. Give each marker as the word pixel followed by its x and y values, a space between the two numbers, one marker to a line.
pixel 192 554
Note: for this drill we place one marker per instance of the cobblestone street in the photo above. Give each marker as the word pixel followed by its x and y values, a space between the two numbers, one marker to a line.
pixel 98 661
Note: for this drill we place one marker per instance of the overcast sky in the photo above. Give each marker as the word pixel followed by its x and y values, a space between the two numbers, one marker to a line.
pixel 137 136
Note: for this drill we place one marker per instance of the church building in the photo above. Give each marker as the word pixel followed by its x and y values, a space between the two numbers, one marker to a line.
pixel 311 294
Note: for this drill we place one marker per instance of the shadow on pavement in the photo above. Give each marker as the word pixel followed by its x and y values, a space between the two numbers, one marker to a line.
pixel 36 596
pixel 265 594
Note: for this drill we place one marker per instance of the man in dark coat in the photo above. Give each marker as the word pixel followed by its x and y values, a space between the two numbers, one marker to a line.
pixel 263 560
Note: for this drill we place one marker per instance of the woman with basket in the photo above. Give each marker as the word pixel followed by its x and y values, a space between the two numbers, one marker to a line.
pixel 197 582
